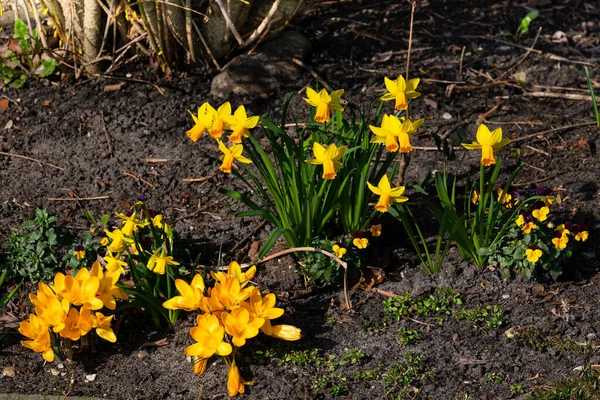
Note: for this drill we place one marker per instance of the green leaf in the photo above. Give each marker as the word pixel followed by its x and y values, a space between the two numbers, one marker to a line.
pixel 88 215
pixel 484 251
pixel 49 65
pixel 271 241
pixel 21 30
pixel 20 81
pixel 104 219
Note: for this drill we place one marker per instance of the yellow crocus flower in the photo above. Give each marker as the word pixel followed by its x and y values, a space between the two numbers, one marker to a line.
pixel 241 325
pixel 329 158
pixel 387 194
pixel 286 332
pixel 192 296
pixel 209 336
pixel 108 290
pixel 103 328
pixel 37 331
pixel 401 91
pixel 488 142
pixel 231 154
pixel 240 124
pixel 235 383
pixel 235 270
pixel 324 102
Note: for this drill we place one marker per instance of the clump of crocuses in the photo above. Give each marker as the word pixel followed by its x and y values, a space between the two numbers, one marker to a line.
pixel 231 312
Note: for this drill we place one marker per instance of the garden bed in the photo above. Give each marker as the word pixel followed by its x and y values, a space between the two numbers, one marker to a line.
pixel 101 149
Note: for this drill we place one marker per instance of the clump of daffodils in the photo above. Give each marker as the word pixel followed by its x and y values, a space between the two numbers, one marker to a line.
pixel 70 308
pixel 231 312
pixel 216 123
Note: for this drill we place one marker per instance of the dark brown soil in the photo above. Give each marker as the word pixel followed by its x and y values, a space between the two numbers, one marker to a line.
pixel 101 139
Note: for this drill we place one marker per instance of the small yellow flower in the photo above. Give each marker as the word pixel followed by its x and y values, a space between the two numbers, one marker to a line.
pixel 324 102
pixel 528 227
pixel 241 325
pixel 79 252
pixel 240 124
pixel 108 289
pixel 375 230
pixel 202 122
pixel 487 142
pixel 114 264
pixel 533 255
pixel 475 197
pixel 520 221
pixel 361 243
pixel 582 236
pixel 209 335
pixel 387 194
pixel 560 242
pixel 286 332
pixel 329 158
pixel 339 251
pixel 541 214
pixel 505 199
pixel 157 221
pixel 104 241
pixel 37 331
pixel 231 154
pixel 401 91
pixel 235 383
pixel 192 296
pixel 103 328
pixel 220 122
pixel 158 262
pixel 119 241
pixel 130 223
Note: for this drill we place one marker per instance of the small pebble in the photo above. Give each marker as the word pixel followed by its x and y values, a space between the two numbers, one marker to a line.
pixel 447 116
pixel 506 296
pixel 90 377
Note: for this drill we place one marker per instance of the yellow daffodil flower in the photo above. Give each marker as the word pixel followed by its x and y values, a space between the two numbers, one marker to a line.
pixel 241 325
pixel 324 102
pixel 329 158
pixel 240 124
pixel 360 243
pixel 157 221
pixel 209 336
pixel 339 251
pixel 391 132
pixel 401 91
pixel 387 194
pixel 235 383
pixel 158 262
pixel 108 290
pixel 130 224
pixel 488 142
pixel 221 121
pixel 37 331
pixel 541 214
pixel 202 122
pixel 533 255
pixel 119 242
pixel 114 264
pixel 231 154
pixel 192 296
